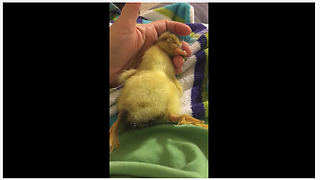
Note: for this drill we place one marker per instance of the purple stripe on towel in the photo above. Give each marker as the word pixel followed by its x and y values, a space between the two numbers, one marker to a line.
pixel 139 20
pixel 203 41
pixel 197 107
pixel 119 87
pixel 203 31
pixel 196 27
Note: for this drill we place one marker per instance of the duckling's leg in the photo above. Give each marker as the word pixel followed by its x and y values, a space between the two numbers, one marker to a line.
pixel 113 135
pixel 186 119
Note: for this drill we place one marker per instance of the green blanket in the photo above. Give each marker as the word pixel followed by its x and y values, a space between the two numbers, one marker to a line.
pixel 166 151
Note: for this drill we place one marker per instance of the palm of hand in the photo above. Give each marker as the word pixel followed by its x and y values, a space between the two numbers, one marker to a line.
pixel 130 47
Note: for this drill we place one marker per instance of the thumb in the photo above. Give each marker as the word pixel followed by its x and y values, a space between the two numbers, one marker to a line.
pixel 128 16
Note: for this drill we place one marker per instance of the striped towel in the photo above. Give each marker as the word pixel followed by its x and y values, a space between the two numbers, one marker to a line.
pixel 181 12
pixel 194 78
pixel 114 12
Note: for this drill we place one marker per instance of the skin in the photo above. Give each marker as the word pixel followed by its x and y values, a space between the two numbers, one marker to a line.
pixel 129 41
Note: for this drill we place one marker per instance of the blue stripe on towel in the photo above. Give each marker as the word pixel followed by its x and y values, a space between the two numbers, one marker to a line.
pixel 198 110
pixel 181 10
pixel 142 20
pixel 112 119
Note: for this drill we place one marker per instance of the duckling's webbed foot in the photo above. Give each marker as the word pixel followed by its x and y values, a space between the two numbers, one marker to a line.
pixel 113 135
pixel 186 119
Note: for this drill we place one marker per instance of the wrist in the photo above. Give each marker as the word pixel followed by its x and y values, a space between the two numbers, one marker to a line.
pixel 113 78
pixel 113 70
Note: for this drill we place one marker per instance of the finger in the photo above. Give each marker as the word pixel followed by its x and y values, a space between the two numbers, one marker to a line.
pixel 177 61
pixel 186 47
pixel 176 27
pixel 128 17
pixel 178 70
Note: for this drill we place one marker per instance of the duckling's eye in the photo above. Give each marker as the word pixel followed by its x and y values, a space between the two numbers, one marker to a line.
pixel 173 45
pixel 170 39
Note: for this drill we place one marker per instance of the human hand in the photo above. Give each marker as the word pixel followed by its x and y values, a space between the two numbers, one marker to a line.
pixel 129 41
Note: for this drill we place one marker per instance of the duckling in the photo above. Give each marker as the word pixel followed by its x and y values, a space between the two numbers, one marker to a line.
pixel 152 92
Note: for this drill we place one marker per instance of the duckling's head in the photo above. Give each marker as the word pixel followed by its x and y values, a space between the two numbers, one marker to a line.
pixel 171 44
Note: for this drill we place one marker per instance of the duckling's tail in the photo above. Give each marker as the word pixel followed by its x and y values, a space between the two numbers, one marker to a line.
pixel 137 120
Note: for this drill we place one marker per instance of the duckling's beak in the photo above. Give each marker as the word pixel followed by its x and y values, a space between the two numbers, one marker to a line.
pixel 180 51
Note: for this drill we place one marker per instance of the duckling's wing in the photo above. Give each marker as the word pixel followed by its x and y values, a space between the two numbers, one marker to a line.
pixel 125 75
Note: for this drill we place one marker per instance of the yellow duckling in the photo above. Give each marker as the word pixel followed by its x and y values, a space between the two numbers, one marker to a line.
pixel 152 92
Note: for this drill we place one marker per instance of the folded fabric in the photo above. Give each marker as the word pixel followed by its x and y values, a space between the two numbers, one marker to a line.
pixel 114 12
pixel 200 10
pixel 181 12
pixel 165 151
